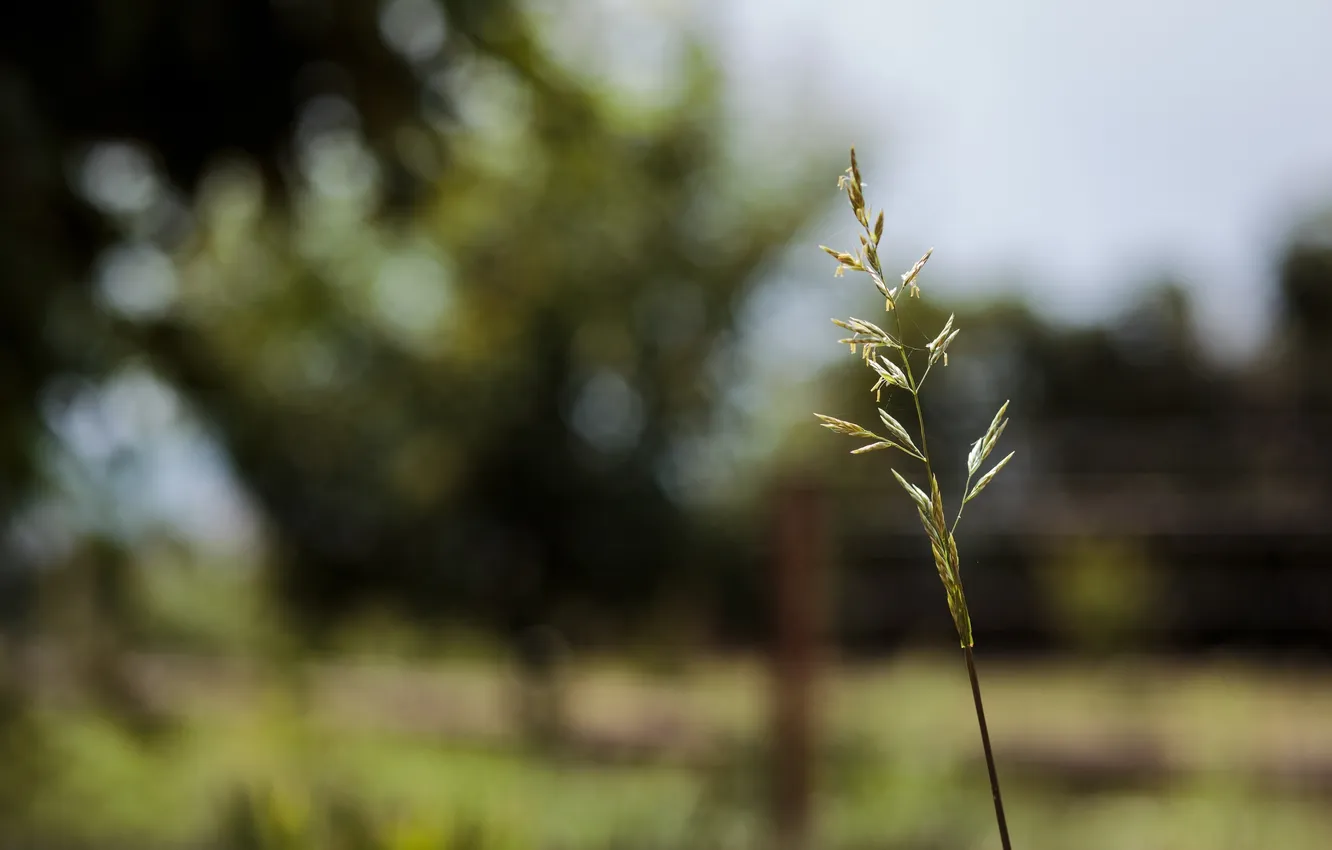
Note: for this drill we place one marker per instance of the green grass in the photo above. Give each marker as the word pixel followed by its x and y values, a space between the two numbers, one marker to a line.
pixel 899 766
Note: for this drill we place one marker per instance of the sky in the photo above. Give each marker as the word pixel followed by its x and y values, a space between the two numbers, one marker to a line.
pixel 1081 149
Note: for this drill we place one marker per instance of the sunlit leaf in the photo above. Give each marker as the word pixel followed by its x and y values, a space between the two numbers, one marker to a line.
pixel 943 334
pixel 917 495
pixel 910 277
pixel 889 371
pixel 939 348
pixel 849 429
pixel 982 447
pixel 875 447
pixel 897 432
pixel 987 478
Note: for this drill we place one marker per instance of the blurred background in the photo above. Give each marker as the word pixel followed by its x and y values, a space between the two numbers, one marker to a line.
pixel 406 435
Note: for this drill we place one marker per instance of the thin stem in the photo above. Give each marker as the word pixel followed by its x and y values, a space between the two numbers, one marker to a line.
pixel 925 376
pixel 962 504
pixel 915 389
pixel 989 754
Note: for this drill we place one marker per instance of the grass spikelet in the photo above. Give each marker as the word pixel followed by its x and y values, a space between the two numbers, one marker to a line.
pixel 893 371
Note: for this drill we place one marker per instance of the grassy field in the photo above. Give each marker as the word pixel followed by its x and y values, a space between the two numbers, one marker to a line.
pixel 1133 755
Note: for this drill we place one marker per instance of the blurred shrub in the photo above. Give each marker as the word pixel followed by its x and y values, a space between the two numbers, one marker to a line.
pixel 1102 594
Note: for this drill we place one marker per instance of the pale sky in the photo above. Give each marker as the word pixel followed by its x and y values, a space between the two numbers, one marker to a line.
pixel 1082 147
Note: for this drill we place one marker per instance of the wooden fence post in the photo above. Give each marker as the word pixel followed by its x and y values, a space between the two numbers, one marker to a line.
pixel 797 608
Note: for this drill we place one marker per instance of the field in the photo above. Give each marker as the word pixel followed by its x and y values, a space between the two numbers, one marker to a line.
pixel 1126 755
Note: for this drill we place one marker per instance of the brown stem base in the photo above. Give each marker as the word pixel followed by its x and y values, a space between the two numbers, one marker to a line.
pixel 989 753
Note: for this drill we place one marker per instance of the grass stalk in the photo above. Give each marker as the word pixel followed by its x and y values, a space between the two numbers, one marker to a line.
pixel 989 753
pixel 895 371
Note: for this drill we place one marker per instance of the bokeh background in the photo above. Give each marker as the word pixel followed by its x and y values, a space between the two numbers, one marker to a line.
pixel 406 436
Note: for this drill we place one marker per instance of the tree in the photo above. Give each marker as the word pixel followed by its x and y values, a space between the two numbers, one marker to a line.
pixel 463 396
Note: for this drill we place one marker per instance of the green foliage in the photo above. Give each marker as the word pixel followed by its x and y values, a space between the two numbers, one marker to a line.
pixel 240 766
pixel 465 389
pixel 289 821
pixel 172 90
pixel 478 411
pixel 1101 592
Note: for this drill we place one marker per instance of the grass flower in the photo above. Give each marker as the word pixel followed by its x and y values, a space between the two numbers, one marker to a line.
pixel 889 356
